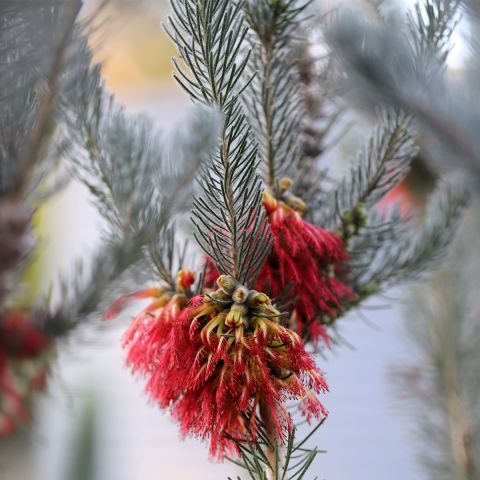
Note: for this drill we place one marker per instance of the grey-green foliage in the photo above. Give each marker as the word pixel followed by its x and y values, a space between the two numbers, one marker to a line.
pixel 34 39
pixel 94 284
pixel 114 154
pixel 273 100
pixel 263 460
pixel 381 164
pixel 186 151
pixel 442 382
pixel 230 221
pixel 115 142
pixel 392 247
pixel 139 176
pixel 413 248
pixel 54 103
pixel 291 101
pixel 386 68
pixel 431 25
pixel 140 179
pixel 34 53
pixel 323 113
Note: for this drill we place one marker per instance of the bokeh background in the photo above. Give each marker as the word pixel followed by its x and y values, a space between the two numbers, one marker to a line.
pixel 94 423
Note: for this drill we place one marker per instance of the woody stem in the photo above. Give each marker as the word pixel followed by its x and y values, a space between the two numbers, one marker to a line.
pixel 272 449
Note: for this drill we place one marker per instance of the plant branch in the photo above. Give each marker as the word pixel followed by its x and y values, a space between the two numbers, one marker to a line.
pixel 47 106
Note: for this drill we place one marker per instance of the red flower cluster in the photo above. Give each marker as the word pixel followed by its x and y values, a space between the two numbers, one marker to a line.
pixel 303 261
pixel 148 330
pixel 301 267
pixel 24 360
pixel 216 361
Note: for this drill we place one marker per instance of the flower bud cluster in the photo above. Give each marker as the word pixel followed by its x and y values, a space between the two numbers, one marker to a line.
pixel 296 203
pixel 354 221
pixel 237 309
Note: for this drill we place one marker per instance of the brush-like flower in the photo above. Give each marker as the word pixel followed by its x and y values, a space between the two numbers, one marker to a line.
pixel 303 262
pixel 25 355
pixel 150 328
pixel 302 267
pixel 222 357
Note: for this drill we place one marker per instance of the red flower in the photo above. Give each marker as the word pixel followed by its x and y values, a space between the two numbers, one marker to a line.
pixel 220 358
pixel 402 197
pixel 301 268
pixel 24 360
pixel 151 326
pixel 19 338
pixel 303 261
pixel 148 330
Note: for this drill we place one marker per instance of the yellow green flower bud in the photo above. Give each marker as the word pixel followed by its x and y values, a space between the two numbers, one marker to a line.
pixel 256 299
pixel 240 295
pixel 227 283
pixel 296 203
pixel 285 184
pixel 236 315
